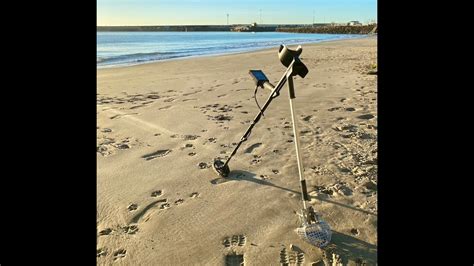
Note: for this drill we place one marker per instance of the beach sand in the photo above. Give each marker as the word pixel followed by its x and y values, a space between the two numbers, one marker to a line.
pixel 160 126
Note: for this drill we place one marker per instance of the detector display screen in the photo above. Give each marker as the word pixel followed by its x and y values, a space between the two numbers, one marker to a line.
pixel 258 76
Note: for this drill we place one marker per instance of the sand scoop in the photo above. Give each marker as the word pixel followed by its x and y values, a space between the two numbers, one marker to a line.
pixel 313 229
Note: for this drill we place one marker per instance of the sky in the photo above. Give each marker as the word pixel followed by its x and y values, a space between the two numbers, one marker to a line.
pixel 214 12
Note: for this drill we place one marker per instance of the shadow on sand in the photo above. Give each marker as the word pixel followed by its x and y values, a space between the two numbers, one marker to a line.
pixel 353 249
pixel 343 205
pixel 239 175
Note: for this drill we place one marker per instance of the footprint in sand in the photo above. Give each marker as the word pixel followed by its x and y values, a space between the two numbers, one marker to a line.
pixel 156 193
pixel 203 165
pixel 294 257
pixel 190 137
pixel 156 154
pixel 366 116
pixel 123 146
pixel 178 201
pixel 284 258
pixel 300 258
pixel 138 217
pixel 165 206
pixel 304 132
pixel 105 232
pixel 354 231
pixel 255 161
pixel 119 254
pixel 234 241
pixel 242 240
pixel 154 97
pixel 132 207
pixel 101 252
pixel 222 117
pixel 130 229
pixel 252 147
pixel 226 242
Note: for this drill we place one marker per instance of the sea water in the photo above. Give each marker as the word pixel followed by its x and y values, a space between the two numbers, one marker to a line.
pixel 130 48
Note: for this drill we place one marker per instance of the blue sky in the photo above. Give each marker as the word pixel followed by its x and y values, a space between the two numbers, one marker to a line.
pixel 213 12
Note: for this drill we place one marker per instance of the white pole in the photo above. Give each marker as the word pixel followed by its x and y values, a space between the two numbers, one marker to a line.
pixel 297 142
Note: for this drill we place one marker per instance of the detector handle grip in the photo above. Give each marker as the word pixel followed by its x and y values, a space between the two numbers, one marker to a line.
pixel 267 85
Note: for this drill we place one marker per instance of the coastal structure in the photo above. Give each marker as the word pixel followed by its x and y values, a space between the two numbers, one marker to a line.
pixel 245 28
pixel 354 23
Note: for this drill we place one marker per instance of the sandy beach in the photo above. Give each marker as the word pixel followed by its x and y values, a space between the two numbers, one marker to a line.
pixel 160 126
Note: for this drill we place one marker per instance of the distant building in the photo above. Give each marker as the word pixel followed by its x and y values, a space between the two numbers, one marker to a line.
pixel 243 28
pixel 354 23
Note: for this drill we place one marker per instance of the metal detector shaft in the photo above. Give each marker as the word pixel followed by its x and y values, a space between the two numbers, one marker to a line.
pixel 275 93
pixel 304 192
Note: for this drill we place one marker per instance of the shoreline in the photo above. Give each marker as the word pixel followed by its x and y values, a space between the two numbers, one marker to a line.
pixel 125 65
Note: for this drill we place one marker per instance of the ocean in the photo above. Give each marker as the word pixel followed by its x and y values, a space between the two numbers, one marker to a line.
pixel 131 48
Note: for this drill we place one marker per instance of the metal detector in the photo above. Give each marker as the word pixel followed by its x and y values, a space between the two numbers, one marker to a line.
pixel 313 229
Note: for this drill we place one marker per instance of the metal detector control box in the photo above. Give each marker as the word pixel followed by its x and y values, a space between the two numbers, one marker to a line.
pixel 258 77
